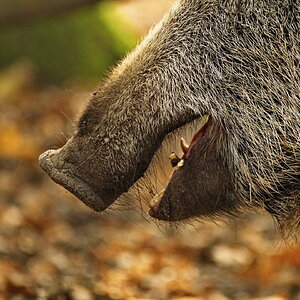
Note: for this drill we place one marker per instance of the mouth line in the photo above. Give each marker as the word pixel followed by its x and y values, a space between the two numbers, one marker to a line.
pixel 74 184
pixel 178 162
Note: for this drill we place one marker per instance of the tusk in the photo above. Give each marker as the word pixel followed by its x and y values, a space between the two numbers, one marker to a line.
pixel 181 163
pixel 184 145
pixel 174 159
pixel 157 198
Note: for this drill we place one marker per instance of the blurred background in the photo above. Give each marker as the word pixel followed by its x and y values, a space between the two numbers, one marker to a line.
pixel 52 54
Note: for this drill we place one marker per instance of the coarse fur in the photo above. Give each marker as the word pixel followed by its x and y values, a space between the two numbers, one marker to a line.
pixel 234 60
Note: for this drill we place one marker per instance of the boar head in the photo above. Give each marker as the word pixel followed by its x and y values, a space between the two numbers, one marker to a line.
pixel 233 61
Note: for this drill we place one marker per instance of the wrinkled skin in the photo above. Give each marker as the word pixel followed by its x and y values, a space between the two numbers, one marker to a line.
pixel 236 61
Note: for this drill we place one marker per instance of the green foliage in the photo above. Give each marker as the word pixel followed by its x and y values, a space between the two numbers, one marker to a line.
pixel 82 44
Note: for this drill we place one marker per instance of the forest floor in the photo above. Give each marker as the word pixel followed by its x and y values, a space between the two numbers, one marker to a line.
pixel 53 247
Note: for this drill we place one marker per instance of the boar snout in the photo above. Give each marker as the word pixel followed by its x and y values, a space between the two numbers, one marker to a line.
pixel 100 164
pixel 55 163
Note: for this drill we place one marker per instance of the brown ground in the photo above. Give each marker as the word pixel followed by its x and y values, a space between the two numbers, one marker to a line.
pixel 53 247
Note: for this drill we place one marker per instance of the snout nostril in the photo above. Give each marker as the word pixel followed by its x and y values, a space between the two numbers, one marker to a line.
pixel 45 160
pixel 53 162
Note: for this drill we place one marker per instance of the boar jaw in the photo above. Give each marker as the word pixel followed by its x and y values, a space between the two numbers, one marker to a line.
pixel 211 180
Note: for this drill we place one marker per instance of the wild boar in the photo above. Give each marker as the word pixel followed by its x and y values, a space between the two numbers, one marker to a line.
pixel 235 62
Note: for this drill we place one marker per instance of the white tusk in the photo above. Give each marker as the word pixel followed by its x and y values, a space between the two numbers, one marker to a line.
pixel 181 163
pixel 174 159
pixel 184 145
pixel 157 198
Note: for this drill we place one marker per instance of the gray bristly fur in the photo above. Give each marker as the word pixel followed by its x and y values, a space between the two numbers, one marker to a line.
pixel 239 62
pixel 235 60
